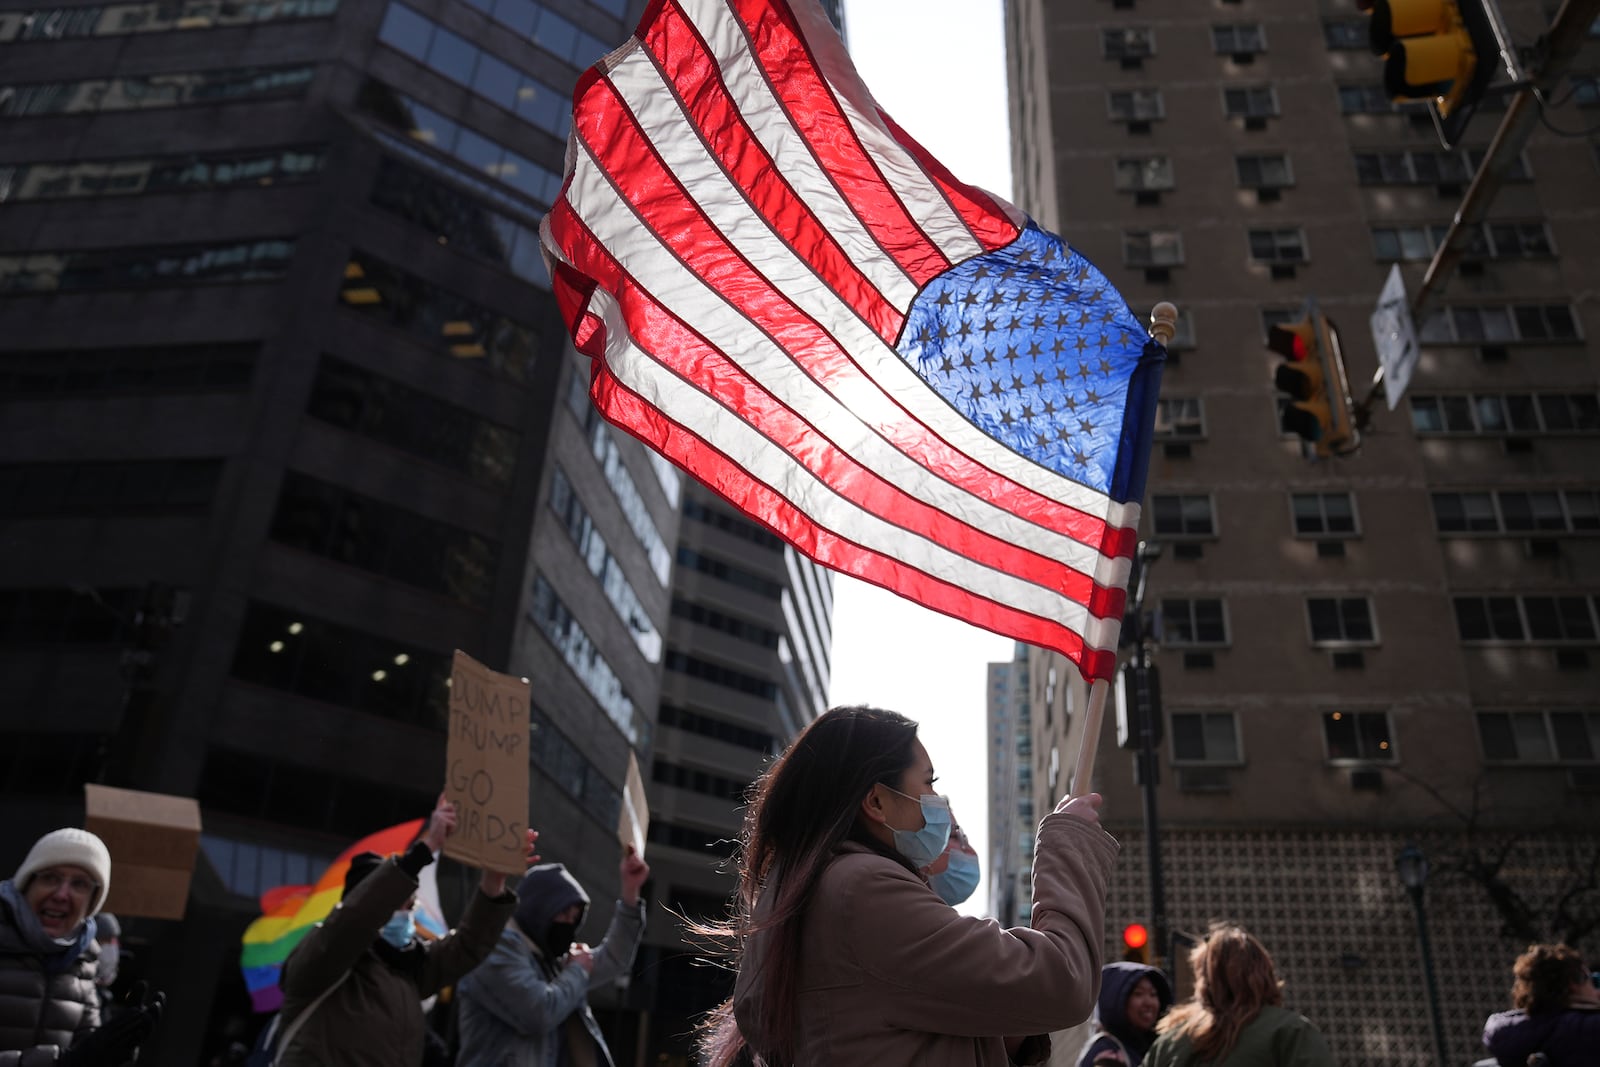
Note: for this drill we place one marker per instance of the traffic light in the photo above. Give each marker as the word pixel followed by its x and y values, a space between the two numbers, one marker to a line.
pixel 1441 51
pixel 1138 702
pixel 1318 410
pixel 1136 944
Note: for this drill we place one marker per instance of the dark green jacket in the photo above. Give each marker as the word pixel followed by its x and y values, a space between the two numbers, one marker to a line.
pixel 374 1018
pixel 1275 1038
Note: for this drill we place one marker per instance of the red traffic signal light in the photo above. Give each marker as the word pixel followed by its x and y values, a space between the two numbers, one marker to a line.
pixel 1136 943
pixel 1312 374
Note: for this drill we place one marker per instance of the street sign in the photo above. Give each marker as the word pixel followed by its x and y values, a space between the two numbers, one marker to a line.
pixel 1394 335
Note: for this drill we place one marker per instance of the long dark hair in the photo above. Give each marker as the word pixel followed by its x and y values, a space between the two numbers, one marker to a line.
pixel 1233 980
pixel 800 811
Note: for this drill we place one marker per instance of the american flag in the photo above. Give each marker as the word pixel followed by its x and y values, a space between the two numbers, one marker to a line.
pixel 899 374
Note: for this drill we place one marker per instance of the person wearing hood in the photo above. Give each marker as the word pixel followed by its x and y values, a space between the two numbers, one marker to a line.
pixel 1556 1011
pixel 49 1005
pixel 353 988
pixel 1133 997
pixel 528 1005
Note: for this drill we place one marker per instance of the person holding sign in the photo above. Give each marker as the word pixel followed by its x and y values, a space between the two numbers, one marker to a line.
pixel 353 989
pixel 846 956
pixel 528 1005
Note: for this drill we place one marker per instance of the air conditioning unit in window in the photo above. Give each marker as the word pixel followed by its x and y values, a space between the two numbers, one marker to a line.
pixel 1584 779
pixel 1202 780
pixel 1366 780
pixel 1572 659
pixel 1542 548
pixel 1255 123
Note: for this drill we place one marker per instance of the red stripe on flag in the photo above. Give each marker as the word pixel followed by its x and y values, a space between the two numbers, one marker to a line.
pixel 988 222
pixel 809 103
pixel 681 227
pixel 763 504
pixel 687 64
pixel 695 360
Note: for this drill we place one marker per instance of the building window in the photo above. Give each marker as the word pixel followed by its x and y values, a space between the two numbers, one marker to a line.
pixel 1130 42
pixel 1518 512
pixel 160 16
pixel 1516 413
pixel 540 23
pixel 1429 167
pixel 1491 241
pixel 1286 245
pixel 1145 175
pixel 1358 736
pixel 143 91
pixel 1183 515
pixel 149 370
pixel 722 622
pixel 1346 34
pixel 717 674
pixel 702 782
pixel 1540 736
pixel 1205 737
pixel 1250 102
pixel 726 572
pixel 1341 621
pixel 605 567
pixel 1493 324
pixel 1183 337
pixel 1134 105
pixel 249 785
pixel 160 174
pixel 463 222
pixel 556 621
pixel 81 615
pixel 1238 39
pixel 1152 248
pixel 1365 100
pixel 1527 619
pixel 1263 171
pixel 1193 622
pixel 629 499
pixel 145 267
pixel 1324 514
pixel 743 529
pixel 717 729
pixel 138 487
pixel 1180 418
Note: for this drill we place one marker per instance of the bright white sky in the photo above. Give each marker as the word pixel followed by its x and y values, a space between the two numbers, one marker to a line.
pixel 938 67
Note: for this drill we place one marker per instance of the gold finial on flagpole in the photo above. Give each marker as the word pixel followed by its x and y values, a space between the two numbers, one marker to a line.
pixel 1164 322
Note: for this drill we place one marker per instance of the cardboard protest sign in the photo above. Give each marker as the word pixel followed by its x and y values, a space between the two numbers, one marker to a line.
pixel 153 839
pixel 634 818
pixel 486 767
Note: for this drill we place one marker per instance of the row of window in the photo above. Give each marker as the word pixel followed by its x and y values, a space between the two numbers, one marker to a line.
pixel 129 487
pixel 702 782
pixel 151 369
pixel 1227 39
pixel 414 34
pixel 558 757
pixel 1518 511
pixel 81 615
pixel 1201 622
pixel 727 572
pixel 1287 244
pixel 591 546
pixel 138 175
pixel 717 674
pixel 417 423
pixel 1502 413
pixel 697 511
pixel 130 92
pixel 722 622
pixel 1537 737
pixel 1140 106
pixel 539 23
pixel 717 729
pixel 556 621
pixel 143 267
pixel 385 539
pixel 444 320
pixel 152 16
pixel 690 839
pixel 248 785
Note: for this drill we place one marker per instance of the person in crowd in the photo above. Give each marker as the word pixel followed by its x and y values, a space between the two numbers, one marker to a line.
pixel 353 988
pixel 1555 1010
pixel 846 956
pixel 955 874
pixel 49 1004
pixel 108 934
pixel 529 1003
pixel 1132 998
pixel 1235 1017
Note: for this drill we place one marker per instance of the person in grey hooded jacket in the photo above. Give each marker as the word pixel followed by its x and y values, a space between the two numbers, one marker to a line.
pixel 527 1005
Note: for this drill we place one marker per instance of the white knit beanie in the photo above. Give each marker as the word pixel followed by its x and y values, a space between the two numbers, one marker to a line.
pixel 69 846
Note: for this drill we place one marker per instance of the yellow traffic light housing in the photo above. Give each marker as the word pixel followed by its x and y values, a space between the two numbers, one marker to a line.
pixel 1312 374
pixel 1441 51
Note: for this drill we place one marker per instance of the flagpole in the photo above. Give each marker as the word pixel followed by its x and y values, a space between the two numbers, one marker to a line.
pixel 1163 327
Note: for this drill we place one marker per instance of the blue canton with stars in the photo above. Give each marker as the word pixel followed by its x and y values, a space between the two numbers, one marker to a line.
pixel 1032 344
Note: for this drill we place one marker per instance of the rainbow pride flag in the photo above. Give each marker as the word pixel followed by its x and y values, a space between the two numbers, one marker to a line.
pixel 289 911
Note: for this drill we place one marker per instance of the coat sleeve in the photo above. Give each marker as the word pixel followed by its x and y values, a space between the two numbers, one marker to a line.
pixel 936 971
pixel 511 987
pixel 334 945
pixel 1303 1045
pixel 463 948
pixel 614 957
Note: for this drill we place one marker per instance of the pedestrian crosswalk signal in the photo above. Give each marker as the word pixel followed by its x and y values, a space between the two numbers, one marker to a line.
pixel 1136 944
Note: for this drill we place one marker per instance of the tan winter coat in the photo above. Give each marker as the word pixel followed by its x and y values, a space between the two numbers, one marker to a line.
pixel 890 974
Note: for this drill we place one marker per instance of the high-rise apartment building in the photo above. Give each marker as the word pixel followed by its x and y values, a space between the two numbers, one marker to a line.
pixel 287 414
pixel 1396 646
pixel 1009 865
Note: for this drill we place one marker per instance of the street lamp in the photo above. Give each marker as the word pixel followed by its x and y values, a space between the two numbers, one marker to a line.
pixel 1412 866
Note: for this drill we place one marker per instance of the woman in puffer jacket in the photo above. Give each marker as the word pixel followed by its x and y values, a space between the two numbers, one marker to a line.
pixel 49 1008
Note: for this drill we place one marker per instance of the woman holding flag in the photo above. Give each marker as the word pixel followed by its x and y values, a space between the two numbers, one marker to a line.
pixel 353 988
pixel 847 956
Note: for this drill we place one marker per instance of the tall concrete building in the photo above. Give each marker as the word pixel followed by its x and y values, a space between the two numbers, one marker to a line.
pixel 286 416
pixel 1009 865
pixel 1396 646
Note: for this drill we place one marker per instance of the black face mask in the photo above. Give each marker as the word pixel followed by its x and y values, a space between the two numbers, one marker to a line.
pixel 558 939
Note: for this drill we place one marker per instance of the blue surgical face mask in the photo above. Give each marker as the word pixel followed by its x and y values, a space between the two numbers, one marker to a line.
pixel 924 846
pixel 958 880
pixel 399 930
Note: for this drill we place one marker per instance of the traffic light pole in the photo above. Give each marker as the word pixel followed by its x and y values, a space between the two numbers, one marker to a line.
pixel 1145 763
pixel 1561 44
